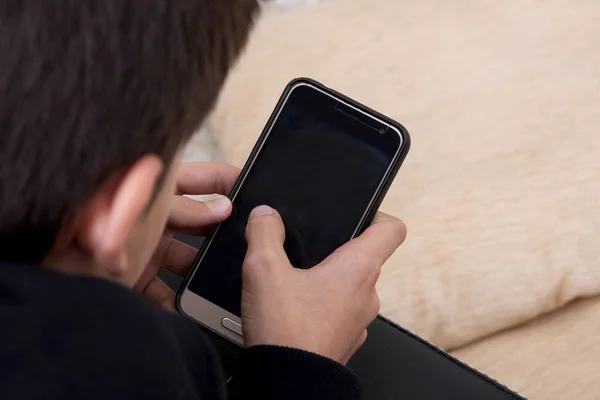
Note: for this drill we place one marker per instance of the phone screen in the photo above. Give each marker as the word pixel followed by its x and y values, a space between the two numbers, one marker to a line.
pixel 320 167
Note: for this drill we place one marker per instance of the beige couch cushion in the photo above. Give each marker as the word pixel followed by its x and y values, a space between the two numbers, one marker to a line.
pixel 501 188
pixel 556 357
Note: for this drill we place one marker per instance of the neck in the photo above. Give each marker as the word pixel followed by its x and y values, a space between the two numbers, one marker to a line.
pixel 75 261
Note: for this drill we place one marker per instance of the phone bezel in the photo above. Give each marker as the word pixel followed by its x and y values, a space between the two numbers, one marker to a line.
pixel 210 315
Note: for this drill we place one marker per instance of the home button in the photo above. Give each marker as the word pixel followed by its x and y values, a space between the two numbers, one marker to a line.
pixel 232 326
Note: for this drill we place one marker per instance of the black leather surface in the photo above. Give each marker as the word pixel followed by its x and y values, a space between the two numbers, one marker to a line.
pixel 396 365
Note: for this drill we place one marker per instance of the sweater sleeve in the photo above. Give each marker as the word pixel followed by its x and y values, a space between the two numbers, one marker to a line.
pixel 272 372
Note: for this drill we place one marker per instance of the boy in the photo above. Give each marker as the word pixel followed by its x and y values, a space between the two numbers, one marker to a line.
pixel 97 101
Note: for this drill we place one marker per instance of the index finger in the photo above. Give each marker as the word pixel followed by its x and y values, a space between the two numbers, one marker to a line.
pixel 206 178
pixel 377 243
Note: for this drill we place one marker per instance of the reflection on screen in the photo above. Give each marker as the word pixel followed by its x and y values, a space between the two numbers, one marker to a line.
pixel 319 169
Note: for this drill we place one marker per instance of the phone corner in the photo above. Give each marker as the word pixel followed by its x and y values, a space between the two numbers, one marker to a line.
pixel 406 138
pixel 178 299
pixel 302 80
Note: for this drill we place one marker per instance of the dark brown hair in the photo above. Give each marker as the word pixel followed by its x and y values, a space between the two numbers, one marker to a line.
pixel 89 86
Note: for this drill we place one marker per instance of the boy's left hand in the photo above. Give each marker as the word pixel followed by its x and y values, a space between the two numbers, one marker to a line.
pixel 188 216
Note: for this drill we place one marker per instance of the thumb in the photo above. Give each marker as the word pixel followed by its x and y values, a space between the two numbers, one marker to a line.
pixel 265 234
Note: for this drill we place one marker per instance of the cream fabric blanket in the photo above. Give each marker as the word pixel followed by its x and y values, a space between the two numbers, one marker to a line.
pixel 501 188
pixel 551 358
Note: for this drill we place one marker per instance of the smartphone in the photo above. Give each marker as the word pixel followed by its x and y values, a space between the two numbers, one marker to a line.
pixel 324 162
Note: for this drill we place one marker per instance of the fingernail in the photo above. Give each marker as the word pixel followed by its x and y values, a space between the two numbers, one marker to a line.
pixel 261 210
pixel 219 205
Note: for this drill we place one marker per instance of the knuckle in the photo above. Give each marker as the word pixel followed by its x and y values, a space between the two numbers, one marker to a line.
pixel 251 260
pixel 374 306
pixel 219 183
pixel 265 258
pixel 363 338
pixel 373 273
pixel 370 273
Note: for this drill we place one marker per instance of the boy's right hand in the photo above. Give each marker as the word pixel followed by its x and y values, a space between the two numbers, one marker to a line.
pixel 324 310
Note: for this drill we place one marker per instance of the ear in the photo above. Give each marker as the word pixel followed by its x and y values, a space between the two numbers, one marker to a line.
pixel 109 217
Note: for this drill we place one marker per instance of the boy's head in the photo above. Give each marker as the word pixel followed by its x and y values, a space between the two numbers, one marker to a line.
pixel 97 99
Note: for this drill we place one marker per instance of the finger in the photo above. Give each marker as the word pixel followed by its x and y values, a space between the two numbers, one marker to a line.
pixel 265 235
pixel 159 293
pixel 265 229
pixel 206 178
pixel 197 217
pixel 178 257
pixel 377 243
pixel 383 237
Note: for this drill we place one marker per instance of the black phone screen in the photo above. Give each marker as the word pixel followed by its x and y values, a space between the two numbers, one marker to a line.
pixel 319 168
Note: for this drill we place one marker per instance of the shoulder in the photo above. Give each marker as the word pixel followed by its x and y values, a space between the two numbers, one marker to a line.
pixel 87 334
pixel 118 318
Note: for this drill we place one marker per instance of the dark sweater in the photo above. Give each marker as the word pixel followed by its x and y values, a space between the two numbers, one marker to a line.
pixel 67 337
